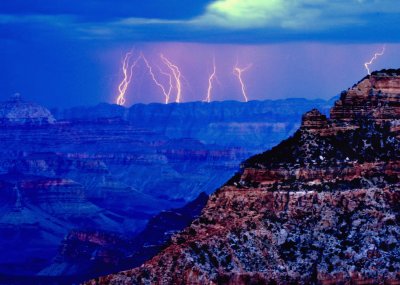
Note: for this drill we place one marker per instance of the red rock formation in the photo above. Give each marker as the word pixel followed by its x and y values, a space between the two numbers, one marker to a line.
pixel 314 121
pixel 320 208
pixel 377 96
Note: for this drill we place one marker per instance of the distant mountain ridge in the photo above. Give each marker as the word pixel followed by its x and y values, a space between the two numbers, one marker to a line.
pixel 225 122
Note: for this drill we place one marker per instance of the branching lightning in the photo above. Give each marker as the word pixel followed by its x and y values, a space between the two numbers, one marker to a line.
pixel 127 72
pixel 163 89
pixel 376 55
pixel 238 72
pixel 211 78
pixel 177 75
pixel 169 79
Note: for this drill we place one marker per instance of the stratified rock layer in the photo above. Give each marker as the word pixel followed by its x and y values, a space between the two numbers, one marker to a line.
pixel 107 170
pixel 321 207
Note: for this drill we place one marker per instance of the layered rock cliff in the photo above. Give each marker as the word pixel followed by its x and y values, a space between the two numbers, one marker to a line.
pixel 320 207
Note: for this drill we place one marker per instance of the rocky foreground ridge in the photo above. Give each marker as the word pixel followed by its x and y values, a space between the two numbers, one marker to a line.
pixel 321 207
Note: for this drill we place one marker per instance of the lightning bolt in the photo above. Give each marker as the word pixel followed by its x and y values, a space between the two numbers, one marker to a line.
pixel 169 79
pixel 210 82
pixel 238 72
pixel 367 64
pixel 127 72
pixel 177 75
pixel 166 94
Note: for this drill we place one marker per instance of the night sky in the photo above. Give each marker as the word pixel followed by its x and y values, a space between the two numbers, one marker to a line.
pixel 68 52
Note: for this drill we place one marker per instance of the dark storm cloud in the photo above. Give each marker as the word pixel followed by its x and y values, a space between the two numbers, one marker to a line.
pixel 254 21
pixel 105 10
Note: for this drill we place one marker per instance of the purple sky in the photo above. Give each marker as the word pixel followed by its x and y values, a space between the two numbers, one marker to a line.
pixel 310 70
pixel 65 53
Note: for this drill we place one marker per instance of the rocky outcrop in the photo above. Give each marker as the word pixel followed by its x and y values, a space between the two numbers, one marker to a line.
pixel 375 96
pixel 314 121
pixel 322 207
pixel 19 112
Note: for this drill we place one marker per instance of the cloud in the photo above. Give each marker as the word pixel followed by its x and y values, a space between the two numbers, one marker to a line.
pixel 27 28
pixel 106 10
pixel 244 14
pixel 34 19
pixel 306 15
pixel 217 21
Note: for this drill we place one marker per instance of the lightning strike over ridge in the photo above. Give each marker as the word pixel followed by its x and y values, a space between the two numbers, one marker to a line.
pixel 376 55
pixel 166 94
pixel 177 75
pixel 238 72
pixel 169 79
pixel 210 82
pixel 127 72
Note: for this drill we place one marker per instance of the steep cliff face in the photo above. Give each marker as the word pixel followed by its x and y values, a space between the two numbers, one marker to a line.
pixel 322 206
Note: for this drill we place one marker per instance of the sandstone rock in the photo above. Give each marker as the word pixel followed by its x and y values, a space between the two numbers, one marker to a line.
pixel 314 121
